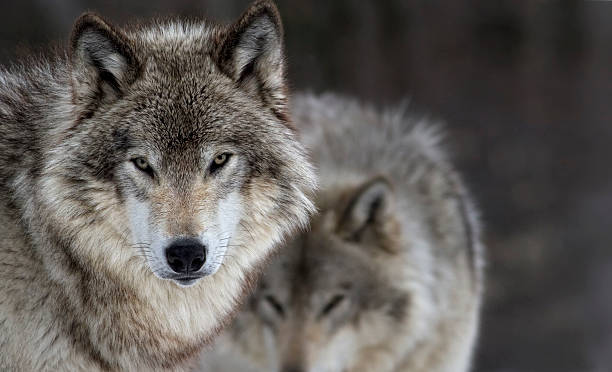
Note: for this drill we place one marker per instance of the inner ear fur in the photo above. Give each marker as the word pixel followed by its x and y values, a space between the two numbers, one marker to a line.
pixel 368 205
pixel 367 216
pixel 103 63
pixel 251 53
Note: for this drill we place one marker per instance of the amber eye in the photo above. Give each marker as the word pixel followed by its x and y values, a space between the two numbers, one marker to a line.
pixel 331 305
pixel 219 161
pixel 143 165
pixel 276 305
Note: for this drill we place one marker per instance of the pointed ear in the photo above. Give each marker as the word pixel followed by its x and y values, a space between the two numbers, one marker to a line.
pixel 251 54
pixel 368 206
pixel 103 64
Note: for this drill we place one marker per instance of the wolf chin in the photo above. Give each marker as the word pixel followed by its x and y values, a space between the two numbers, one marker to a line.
pixel 146 175
pixel 389 278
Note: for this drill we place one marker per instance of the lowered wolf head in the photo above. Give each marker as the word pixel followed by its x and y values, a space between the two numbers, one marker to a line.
pixel 181 145
pixel 327 300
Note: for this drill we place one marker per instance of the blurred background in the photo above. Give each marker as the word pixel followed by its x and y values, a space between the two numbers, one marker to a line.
pixel 525 88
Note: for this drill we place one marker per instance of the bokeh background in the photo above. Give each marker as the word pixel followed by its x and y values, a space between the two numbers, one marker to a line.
pixel 525 88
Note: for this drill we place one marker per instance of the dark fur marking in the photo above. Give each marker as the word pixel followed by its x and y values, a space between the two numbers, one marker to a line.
pixel 399 308
pixel 109 78
pixel 81 341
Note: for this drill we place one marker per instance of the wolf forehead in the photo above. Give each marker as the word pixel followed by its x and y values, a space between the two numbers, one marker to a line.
pixel 313 259
pixel 192 119
pixel 180 89
pixel 181 102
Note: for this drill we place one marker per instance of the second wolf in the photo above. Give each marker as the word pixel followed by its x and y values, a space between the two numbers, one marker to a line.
pixel 390 276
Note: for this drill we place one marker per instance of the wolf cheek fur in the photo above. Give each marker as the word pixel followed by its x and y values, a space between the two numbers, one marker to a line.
pixel 110 157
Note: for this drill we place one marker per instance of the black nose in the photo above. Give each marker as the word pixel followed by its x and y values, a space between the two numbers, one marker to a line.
pixel 186 255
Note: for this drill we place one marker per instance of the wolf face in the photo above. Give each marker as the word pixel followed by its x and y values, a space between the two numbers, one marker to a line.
pixel 326 301
pixel 183 129
pixel 184 230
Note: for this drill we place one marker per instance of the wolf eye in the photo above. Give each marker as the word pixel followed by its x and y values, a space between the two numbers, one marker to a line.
pixel 331 305
pixel 143 165
pixel 219 161
pixel 275 305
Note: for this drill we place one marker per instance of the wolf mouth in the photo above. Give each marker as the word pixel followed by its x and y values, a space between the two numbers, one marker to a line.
pixel 187 281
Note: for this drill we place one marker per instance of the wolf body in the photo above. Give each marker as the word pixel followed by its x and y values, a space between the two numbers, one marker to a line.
pixel 145 176
pixel 389 278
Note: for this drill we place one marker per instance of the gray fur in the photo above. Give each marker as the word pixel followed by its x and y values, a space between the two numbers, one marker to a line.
pixel 390 276
pixel 84 284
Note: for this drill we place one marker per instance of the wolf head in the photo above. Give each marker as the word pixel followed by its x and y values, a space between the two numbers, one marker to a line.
pixel 326 300
pixel 181 143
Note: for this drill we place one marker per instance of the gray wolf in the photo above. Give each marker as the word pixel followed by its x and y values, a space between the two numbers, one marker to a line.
pixel 389 278
pixel 146 173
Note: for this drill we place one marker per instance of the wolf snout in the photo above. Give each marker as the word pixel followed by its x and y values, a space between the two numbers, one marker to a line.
pixel 186 255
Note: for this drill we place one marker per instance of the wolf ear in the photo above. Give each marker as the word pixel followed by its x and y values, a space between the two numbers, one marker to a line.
pixel 102 63
pixel 367 207
pixel 251 54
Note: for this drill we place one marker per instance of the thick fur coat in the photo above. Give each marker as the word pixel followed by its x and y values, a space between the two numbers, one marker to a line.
pixel 111 152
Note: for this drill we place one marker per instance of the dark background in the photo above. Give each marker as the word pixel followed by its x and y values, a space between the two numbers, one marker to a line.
pixel 525 88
